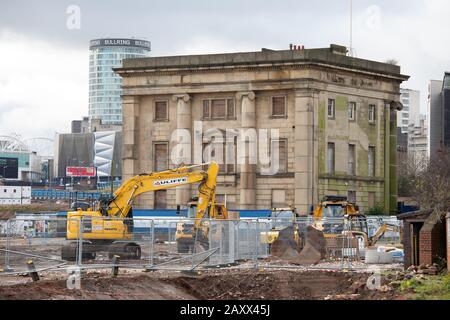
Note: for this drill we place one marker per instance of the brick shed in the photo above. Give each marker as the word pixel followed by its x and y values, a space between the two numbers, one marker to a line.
pixel 448 241
pixel 424 237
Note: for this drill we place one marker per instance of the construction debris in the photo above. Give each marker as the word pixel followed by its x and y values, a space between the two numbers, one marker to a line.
pixel 217 284
pixel 286 247
pixel 33 273
pixel 425 269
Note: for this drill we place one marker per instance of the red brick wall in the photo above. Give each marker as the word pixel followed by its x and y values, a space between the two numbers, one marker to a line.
pixel 431 243
pixel 425 247
pixel 448 241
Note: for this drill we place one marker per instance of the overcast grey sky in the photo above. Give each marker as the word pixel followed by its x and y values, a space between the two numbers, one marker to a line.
pixel 44 64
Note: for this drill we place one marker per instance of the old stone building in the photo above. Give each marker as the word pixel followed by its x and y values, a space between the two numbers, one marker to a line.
pixel 335 115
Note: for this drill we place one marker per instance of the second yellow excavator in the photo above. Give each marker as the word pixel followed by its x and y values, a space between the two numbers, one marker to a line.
pixel 336 216
pixel 333 217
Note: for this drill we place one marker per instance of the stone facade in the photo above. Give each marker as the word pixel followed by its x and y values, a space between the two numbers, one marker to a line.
pixel 308 81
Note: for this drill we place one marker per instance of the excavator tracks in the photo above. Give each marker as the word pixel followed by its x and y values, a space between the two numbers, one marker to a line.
pixel 124 250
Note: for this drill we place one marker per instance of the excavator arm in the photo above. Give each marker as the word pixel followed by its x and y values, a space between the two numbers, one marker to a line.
pixel 106 232
pixel 380 232
pixel 120 204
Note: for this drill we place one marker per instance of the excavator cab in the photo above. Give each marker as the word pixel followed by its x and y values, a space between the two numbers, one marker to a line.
pixel 281 219
pixel 187 235
pixel 329 215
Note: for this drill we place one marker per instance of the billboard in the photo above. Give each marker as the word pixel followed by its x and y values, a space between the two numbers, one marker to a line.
pixel 9 168
pixel 119 43
pixel 81 172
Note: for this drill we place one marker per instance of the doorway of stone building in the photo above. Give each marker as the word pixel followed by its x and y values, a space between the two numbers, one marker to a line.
pixel 415 247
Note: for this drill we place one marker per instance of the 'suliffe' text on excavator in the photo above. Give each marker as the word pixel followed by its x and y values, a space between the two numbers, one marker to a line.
pixel 109 225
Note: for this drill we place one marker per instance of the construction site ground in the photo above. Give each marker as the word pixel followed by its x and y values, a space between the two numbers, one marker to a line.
pixel 229 283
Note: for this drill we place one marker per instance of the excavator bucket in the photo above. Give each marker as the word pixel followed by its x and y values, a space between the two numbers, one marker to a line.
pixel 286 248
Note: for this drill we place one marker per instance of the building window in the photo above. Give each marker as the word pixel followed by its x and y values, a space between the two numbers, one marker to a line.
pixel 371 200
pixel 223 153
pixel 351 159
pixel 160 156
pixel 330 157
pixel 279 107
pixel 352 111
pixel 231 155
pixel 220 198
pixel 216 109
pixel 372 113
pixel 160 201
pixel 351 196
pixel 331 108
pixel 371 162
pixel 282 154
pixel 278 198
pixel 161 111
pixel 230 109
pixel 206 111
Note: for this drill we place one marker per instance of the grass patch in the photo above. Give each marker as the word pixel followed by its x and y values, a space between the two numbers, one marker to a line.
pixel 428 288
pixel 31 207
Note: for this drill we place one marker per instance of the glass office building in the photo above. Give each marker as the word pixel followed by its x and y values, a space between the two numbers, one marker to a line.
pixel 104 85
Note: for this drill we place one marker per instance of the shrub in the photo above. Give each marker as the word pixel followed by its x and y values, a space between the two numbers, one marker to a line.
pixel 377 210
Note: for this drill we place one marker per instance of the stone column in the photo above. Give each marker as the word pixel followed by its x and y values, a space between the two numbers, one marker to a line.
pixel 184 121
pixel 306 150
pixel 387 135
pixel 130 150
pixel 247 162
pixel 393 188
pixel 390 146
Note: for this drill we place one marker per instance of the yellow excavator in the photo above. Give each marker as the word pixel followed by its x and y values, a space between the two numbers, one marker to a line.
pixel 110 226
pixel 334 216
pixel 192 232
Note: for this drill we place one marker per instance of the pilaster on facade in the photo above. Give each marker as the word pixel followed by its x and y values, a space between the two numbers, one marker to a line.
pixel 130 150
pixel 247 101
pixel 306 149
pixel 184 141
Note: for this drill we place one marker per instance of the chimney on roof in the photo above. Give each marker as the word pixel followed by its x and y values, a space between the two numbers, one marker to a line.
pixel 337 49
pixel 293 47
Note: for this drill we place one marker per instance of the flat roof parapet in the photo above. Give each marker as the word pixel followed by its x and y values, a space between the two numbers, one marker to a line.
pixel 334 56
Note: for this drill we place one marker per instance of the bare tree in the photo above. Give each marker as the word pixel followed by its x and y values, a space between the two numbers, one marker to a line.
pixel 432 185
pixel 392 61
pixel 410 167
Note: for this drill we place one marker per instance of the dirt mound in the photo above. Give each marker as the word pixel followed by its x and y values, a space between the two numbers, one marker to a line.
pixel 224 284
pixel 122 288
pixel 286 248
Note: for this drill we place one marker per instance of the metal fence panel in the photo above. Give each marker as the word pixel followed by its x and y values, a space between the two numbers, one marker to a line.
pixel 176 243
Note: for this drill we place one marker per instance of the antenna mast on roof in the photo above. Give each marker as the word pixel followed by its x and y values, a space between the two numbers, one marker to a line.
pixel 350 49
